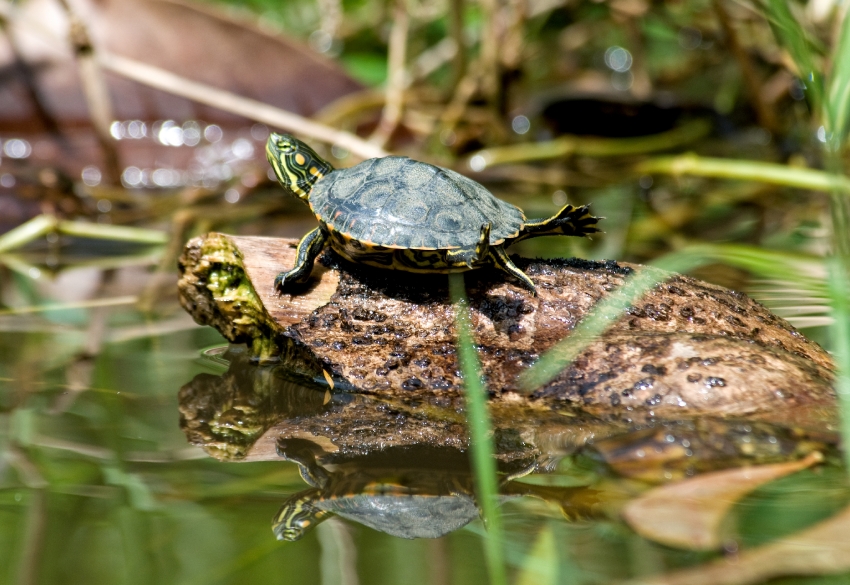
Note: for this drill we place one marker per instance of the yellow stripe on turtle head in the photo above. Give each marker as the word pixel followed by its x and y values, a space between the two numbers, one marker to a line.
pixel 296 165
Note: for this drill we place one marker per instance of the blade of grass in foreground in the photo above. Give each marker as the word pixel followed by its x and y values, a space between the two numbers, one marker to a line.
pixel 794 39
pixel 803 270
pixel 44 224
pixel 835 119
pixel 480 430
pixel 838 99
pixel 839 293
pixel 603 315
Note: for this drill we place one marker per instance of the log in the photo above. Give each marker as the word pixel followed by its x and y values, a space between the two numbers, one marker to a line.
pixel 685 349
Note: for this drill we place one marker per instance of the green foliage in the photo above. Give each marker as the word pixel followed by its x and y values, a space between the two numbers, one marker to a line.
pixel 366 67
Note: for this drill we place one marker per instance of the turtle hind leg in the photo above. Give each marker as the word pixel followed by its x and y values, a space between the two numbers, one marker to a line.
pixel 308 249
pixel 503 262
pixel 570 221
pixel 469 256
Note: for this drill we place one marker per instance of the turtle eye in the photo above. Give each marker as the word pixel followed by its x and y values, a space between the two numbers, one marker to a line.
pixel 285 146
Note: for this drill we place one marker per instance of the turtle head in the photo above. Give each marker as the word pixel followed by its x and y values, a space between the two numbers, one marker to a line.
pixel 297 515
pixel 296 165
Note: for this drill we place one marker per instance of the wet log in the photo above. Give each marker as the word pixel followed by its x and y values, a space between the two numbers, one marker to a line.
pixel 686 348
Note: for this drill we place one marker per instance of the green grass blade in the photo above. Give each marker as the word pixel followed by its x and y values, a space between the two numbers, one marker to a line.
pixel 838 98
pixel 794 39
pixel 840 333
pixel 481 433
pixel 121 233
pixel 746 170
pixel 27 232
pixel 807 272
pixel 569 145
pixel 540 567
pixel 88 304
pixel 605 314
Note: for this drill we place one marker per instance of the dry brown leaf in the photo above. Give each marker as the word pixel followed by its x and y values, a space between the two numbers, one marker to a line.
pixel 822 549
pixel 190 39
pixel 689 514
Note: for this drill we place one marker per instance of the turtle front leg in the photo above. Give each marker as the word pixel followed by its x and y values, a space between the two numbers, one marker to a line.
pixel 311 471
pixel 308 249
pixel 503 262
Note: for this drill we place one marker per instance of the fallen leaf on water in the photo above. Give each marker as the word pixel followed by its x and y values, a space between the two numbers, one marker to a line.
pixel 822 549
pixel 689 514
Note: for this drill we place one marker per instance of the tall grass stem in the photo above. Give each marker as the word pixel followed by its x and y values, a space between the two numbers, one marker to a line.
pixel 605 314
pixel 481 433
pixel 840 338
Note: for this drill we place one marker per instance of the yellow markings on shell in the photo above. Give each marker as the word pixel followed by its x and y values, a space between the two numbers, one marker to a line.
pixel 299 158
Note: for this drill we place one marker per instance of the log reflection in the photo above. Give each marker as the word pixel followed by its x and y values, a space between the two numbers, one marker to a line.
pixel 400 465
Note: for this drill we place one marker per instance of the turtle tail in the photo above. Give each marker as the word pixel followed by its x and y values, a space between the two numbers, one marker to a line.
pixel 570 221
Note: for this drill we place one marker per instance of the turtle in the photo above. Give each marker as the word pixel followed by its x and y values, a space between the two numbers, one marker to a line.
pixel 398 213
pixel 407 502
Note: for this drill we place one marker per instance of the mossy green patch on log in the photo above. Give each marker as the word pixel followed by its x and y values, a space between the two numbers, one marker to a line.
pixel 236 298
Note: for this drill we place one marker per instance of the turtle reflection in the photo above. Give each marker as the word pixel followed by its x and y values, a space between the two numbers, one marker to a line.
pixel 404 492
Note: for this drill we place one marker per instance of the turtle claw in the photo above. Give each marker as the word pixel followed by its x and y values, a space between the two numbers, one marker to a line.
pixel 279 281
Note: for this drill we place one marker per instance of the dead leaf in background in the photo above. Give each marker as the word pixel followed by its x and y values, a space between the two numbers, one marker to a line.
pixel 689 514
pixel 191 40
pixel 820 550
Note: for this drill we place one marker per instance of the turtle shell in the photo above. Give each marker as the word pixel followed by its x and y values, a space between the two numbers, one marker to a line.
pixel 405 516
pixel 397 202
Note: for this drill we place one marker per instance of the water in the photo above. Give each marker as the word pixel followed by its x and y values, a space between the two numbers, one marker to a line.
pixel 130 458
